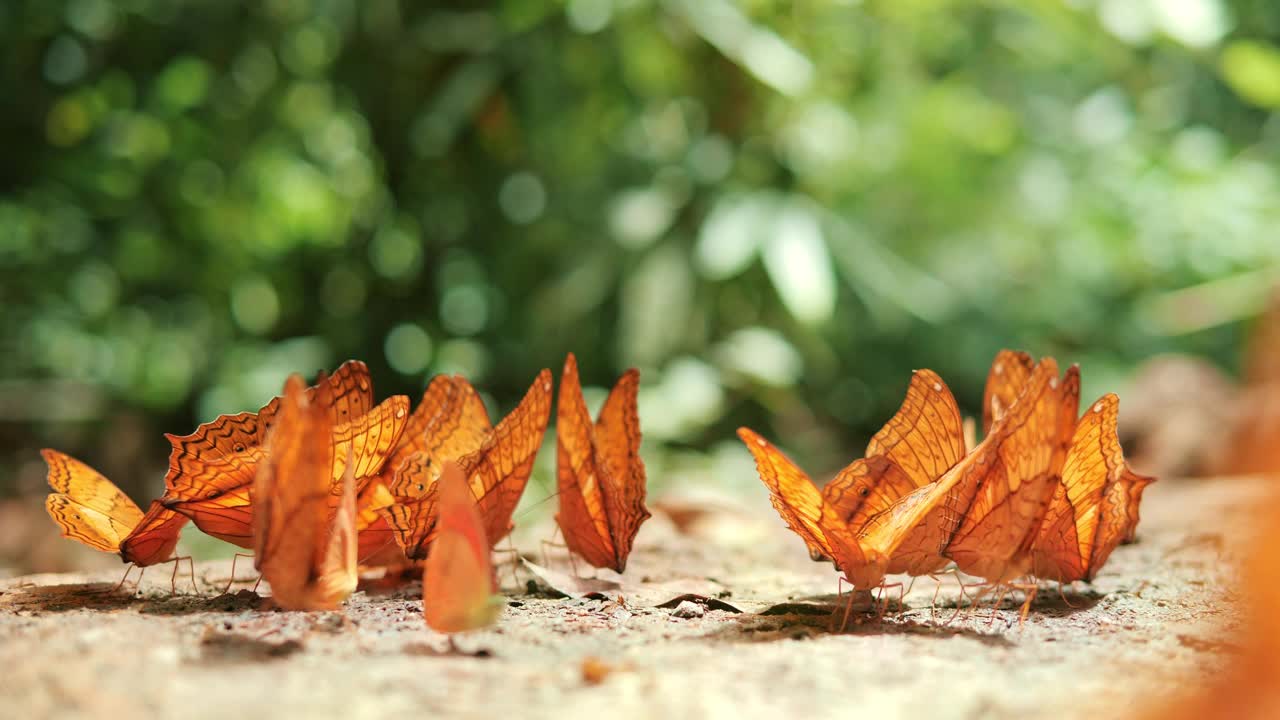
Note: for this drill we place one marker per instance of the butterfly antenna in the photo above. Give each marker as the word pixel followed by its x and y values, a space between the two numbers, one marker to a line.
pixel 531 508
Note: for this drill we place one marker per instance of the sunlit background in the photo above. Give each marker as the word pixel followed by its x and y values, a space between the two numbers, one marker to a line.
pixel 775 209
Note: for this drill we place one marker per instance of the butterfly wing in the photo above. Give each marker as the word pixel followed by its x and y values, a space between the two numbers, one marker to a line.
pixel 923 440
pixel 1063 546
pixel 451 421
pixel 223 454
pixel 1008 374
pixel 412 521
pixel 190 455
pixel 219 498
pixel 369 440
pixel 1118 517
pixel 291 498
pixel 373 531
pixel 86 506
pixel 617 446
pixel 458 587
pixel 1017 485
pixel 915 529
pixel 582 518
pixel 500 468
pixel 791 491
pixel 349 388
pixel 335 574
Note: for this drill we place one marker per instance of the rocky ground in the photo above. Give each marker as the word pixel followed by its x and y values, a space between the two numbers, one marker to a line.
pixel 758 638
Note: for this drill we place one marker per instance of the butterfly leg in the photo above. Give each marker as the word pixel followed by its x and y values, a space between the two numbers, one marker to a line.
pixel 883 607
pixel 983 590
pixel 1063 595
pixel 173 577
pixel 1001 590
pixel 1029 590
pixel 573 564
pixel 849 606
pixel 910 586
pixel 256 584
pixel 513 556
pixel 120 584
pixel 232 579
pixel 964 596
pixel 933 603
pixel 191 565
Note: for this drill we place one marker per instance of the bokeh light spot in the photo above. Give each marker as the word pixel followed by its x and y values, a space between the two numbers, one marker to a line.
pixel 522 198
pixel 464 309
pixel 255 305
pixel 408 349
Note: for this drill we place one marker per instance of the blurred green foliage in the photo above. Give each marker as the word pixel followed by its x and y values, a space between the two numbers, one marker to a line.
pixel 775 209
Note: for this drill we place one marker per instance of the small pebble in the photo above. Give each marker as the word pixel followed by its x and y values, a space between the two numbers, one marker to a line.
pixel 687 609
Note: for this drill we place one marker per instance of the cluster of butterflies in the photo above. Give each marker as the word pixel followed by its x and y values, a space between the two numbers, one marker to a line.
pixel 322 481
pixel 1046 495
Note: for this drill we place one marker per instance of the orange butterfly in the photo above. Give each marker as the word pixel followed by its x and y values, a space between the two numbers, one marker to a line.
pixel 234 435
pixel 923 440
pixel 599 472
pixel 497 472
pixel 1094 507
pixel 993 539
pixel 918 445
pixel 1005 380
pixel 90 509
pixel 449 422
pixel 862 522
pixel 928 518
pixel 459 588
pixel 304 547
pixel 217 497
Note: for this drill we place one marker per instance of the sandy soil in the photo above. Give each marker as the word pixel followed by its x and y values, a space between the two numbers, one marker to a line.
pixel 1159 620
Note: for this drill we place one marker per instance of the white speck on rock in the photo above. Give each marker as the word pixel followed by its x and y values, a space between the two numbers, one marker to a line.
pixel 687 609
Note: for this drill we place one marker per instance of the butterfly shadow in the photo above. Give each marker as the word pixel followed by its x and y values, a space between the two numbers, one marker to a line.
pixel 1049 602
pixel 810 617
pixel 102 596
